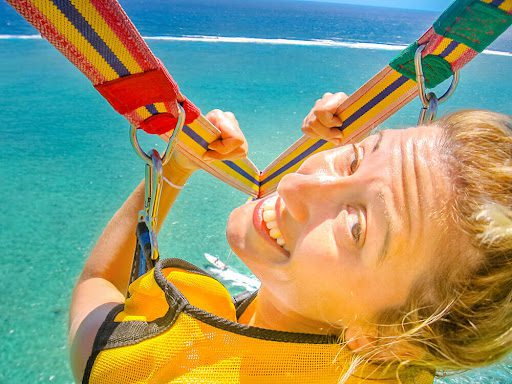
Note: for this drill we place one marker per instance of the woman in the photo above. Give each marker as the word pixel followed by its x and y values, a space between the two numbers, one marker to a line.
pixel 399 246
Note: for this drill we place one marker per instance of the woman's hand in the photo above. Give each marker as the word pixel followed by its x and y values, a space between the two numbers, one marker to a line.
pixel 231 144
pixel 322 122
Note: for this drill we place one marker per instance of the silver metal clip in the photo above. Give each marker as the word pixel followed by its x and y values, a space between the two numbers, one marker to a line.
pixel 430 101
pixel 428 113
pixel 153 179
pixel 153 191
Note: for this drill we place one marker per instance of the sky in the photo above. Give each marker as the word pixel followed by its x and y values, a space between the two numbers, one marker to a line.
pixel 428 5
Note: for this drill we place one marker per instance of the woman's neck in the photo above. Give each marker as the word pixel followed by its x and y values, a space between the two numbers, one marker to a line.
pixel 270 314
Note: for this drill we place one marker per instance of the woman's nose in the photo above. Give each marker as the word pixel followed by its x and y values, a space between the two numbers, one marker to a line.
pixel 304 193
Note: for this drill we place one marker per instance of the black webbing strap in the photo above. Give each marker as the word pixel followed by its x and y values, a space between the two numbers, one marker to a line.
pixel 142 261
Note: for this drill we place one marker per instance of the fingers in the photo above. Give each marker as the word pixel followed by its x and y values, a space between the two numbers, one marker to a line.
pixel 231 144
pixel 234 155
pixel 322 121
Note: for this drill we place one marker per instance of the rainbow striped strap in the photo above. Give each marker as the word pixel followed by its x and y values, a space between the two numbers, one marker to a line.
pixel 366 108
pixel 100 40
pixel 460 33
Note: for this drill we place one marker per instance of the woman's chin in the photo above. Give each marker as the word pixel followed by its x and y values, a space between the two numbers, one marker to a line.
pixel 238 225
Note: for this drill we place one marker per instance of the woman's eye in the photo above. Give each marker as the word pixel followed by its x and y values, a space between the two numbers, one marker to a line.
pixel 356 232
pixel 356 225
pixel 356 159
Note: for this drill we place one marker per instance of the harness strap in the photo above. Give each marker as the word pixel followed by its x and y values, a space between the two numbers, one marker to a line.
pixel 142 261
pixel 465 29
pixel 461 32
pixel 100 40
pixel 128 93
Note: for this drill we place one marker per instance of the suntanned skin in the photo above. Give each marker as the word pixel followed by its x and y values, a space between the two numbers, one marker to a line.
pixel 104 279
pixel 333 277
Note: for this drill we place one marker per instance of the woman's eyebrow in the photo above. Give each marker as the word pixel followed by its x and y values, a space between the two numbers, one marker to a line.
pixel 377 143
pixel 383 251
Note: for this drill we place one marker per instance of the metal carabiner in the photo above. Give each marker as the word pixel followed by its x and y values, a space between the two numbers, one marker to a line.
pixel 153 192
pixel 153 179
pixel 420 80
pixel 428 114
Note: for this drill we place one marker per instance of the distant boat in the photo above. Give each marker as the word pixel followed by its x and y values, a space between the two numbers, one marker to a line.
pixel 229 275
pixel 215 261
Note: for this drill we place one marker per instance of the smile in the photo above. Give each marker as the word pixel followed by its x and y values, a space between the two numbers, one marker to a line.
pixel 266 213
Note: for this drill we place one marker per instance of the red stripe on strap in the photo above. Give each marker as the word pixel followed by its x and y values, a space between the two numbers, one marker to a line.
pixel 469 55
pixel 50 33
pixel 122 26
pixel 128 93
pixel 432 39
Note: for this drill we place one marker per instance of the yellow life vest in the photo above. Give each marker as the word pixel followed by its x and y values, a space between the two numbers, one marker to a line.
pixel 179 325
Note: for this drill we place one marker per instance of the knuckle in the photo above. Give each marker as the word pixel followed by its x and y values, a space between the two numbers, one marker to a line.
pixel 317 113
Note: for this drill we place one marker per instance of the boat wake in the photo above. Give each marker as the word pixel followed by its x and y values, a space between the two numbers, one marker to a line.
pixel 229 275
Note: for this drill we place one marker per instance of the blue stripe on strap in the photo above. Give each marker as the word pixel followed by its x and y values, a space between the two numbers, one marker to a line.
pixel 91 36
pixel 373 102
pixel 299 158
pixel 241 172
pixel 152 109
pixel 194 136
pixel 449 49
pixel 497 3
pixel 203 143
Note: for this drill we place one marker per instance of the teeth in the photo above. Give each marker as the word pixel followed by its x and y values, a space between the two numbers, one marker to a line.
pixel 275 233
pixel 270 224
pixel 270 203
pixel 269 217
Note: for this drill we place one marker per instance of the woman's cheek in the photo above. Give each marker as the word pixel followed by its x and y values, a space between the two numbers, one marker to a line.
pixel 237 226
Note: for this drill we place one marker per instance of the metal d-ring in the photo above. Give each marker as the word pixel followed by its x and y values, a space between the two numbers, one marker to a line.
pixel 170 144
pixel 420 80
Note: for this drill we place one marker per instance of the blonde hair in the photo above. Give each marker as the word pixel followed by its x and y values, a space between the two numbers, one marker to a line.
pixel 460 315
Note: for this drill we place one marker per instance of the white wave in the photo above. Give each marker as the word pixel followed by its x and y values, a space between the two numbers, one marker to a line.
pixel 496 53
pixel 255 40
pixel 313 42
pixel 19 37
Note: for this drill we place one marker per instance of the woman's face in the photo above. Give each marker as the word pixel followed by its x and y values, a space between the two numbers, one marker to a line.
pixel 355 224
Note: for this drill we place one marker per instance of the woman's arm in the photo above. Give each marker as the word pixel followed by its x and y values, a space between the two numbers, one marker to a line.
pixel 104 279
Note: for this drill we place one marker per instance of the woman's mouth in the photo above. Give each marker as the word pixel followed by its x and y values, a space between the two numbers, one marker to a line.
pixel 267 216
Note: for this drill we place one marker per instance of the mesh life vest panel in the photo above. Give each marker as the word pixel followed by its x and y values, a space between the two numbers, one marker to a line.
pixel 179 325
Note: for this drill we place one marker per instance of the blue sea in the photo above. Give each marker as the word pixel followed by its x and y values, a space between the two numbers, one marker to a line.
pixel 66 163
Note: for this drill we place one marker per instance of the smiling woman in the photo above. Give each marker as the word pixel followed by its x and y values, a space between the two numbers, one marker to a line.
pixel 338 215
pixel 381 261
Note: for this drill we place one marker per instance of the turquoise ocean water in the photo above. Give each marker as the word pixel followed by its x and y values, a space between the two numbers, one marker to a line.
pixel 66 163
